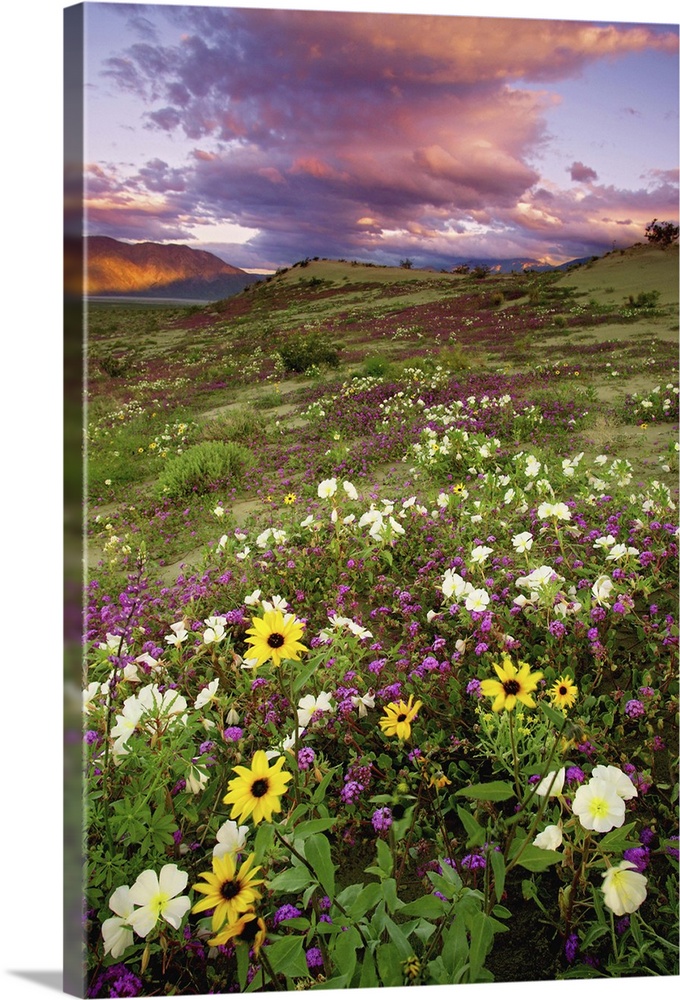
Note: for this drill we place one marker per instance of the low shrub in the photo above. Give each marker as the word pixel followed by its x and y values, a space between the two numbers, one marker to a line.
pixel 203 465
pixel 644 300
pixel 239 425
pixel 303 351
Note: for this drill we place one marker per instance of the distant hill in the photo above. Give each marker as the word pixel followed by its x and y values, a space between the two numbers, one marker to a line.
pixel 158 270
pixel 509 265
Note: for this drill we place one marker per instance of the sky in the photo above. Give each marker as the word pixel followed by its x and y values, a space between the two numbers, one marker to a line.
pixel 267 136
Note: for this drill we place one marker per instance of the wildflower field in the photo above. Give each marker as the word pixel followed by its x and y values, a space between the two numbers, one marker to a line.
pixel 381 631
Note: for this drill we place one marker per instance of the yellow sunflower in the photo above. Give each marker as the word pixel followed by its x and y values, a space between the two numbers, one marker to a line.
pixel 398 718
pixel 563 692
pixel 513 685
pixel 258 789
pixel 275 637
pixel 231 893
pixel 249 928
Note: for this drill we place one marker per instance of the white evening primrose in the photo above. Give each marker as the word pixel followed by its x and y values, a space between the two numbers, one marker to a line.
pixel 116 931
pixel 477 600
pixel 196 779
pixel 616 777
pixel 523 541
pixel 598 806
pixel 327 488
pixel 549 839
pixel 601 590
pixel 363 703
pixel 206 695
pixel 177 635
pixel 231 838
pixel 350 490
pixel 157 896
pixel 310 704
pixel 277 603
pixel 552 784
pixel 453 585
pixel 624 888
pixel 252 600
pixel 480 554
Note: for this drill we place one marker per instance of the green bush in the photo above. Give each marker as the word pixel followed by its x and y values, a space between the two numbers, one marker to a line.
pixel 201 466
pixel 645 300
pixel 376 367
pixel 302 352
pixel 238 425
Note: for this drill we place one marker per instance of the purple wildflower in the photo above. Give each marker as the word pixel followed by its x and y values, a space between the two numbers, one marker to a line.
pixel 639 857
pixel 571 947
pixel 232 734
pixel 305 758
pixel 286 912
pixel 351 792
pixel 314 958
pixel 574 776
pixel 473 861
pixel 634 709
pixel 382 819
pixel 474 688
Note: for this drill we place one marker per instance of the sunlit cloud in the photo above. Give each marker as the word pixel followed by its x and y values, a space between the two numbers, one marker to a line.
pixel 365 135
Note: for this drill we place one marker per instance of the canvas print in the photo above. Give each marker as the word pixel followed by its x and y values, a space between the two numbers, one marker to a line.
pixel 377 390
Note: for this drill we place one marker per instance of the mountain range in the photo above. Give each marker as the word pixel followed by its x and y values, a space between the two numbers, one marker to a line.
pixel 158 270
pixel 169 270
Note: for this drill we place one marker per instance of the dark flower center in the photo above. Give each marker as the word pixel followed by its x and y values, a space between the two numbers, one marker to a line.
pixel 402 717
pixel 275 640
pixel 229 890
pixel 563 690
pixel 259 788
pixel 250 931
pixel 511 687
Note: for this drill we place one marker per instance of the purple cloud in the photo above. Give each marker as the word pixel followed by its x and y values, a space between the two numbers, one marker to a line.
pixel 358 135
pixel 582 174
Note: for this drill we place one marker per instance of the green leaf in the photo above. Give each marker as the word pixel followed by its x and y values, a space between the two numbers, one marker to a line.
pixel 389 965
pixel 401 942
pixel 336 983
pixel 481 939
pixel 263 841
pixel 385 859
pixel 534 859
pixel 322 787
pixel 389 888
pixel 318 854
pixel 311 826
pixel 427 906
pixel 287 955
pixel 476 833
pixel 303 674
pixel 369 897
pixel 292 880
pixel 344 953
pixel 617 840
pixel 492 791
pixel 557 718
pixel 369 976
pixel 242 964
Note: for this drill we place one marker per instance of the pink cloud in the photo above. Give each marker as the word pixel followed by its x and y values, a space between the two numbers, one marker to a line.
pixel 581 173
pixel 328 132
